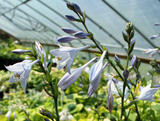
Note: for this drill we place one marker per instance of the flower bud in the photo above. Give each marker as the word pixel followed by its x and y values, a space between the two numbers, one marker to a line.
pixel 117 59
pixel 70 17
pixel 132 41
pixel 129 27
pixel 45 119
pixel 125 74
pixel 20 51
pixel 157 24
pixel 68 30
pixel 133 61
pixel 110 99
pixel 69 6
pixel 81 35
pixel 154 36
pixel 65 39
pixel 77 9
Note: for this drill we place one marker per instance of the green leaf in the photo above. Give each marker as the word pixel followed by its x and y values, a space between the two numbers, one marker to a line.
pixel 50 66
pixel 77 109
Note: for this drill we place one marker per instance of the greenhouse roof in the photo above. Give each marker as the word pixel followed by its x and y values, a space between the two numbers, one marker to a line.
pixel 42 20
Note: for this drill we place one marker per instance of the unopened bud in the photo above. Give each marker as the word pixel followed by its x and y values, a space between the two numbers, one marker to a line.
pixel 70 17
pixel 117 59
pixel 133 60
pixel 125 74
pixel 77 9
pixel 81 35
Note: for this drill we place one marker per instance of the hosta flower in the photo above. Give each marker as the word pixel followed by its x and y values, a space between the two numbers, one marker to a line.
pixel 68 79
pixel 154 36
pixel 65 115
pixel 20 51
pixel 133 60
pixel 68 30
pixel 152 51
pixel 65 39
pixel 77 9
pixel 157 24
pixel 110 99
pixel 95 74
pixel 81 35
pixel 40 50
pixel 147 93
pixel 8 114
pixel 70 17
pixel 65 55
pixel 21 71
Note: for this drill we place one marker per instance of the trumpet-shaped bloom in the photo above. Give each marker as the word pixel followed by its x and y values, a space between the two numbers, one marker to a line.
pixel 68 79
pixel 110 99
pixel 65 55
pixel 147 93
pixel 40 50
pixel 20 51
pixel 152 51
pixel 21 71
pixel 95 74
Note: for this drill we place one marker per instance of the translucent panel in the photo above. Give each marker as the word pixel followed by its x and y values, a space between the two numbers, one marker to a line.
pixel 40 20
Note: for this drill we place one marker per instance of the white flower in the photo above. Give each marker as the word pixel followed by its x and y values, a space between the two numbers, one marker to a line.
pixel 147 93
pixel 14 114
pixel 68 79
pixel 40 50
pixel 152 51
pixel 65 115
pixel 21 71
pixel 8 114
pixel 110 99
pixel 65 55
pixel 95 74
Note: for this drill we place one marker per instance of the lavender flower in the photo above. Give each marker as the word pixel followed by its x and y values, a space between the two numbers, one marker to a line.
pixel 81 35
pixel 152 51
pixel 147 93
pixel 21 71
pixel 70 17
pixel 68 79
pixel 65 55
pixel 40 50
pixel 157 24
pixel 125 74
pixel 133 60
pixel 154 36
pixel 20 51
pixel 132 41
pixel 117 59
pixel 95 74
pixel 68 30
pixel 77 9
pixel 65 39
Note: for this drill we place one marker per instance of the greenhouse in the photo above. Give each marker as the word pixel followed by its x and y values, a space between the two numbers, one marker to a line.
pixel 79 60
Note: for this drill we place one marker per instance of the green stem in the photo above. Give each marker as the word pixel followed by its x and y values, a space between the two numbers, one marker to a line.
pixel 55 102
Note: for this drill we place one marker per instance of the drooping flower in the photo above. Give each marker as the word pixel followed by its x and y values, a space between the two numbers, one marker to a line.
pixel 21 71
pixel 152 51
pixel 66 39
pixel 68 79
pixel 40 50
pixel 95 74
pixel 20 51
pixel 110 99
pixel 69 30
pixel 81 35
pixel 65 115
pixel 65 55
pixel 147 93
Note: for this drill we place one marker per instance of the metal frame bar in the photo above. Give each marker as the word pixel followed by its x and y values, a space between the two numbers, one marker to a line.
pixel 125 19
